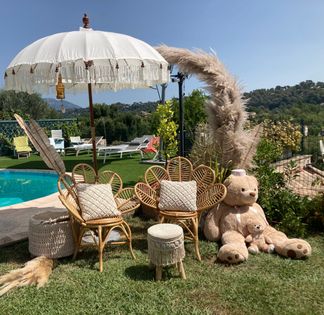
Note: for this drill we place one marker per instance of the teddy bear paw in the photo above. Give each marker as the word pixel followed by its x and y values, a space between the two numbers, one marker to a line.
pixel 294 248
pixel 253 250
pixel 271 248
pixel 231 254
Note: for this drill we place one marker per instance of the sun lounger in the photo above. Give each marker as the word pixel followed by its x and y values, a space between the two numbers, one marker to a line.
pixel 120 150
pixel 135 146
pixel 152 147
pixel 86 146
pixel 21 146
pixel 76 141
pixel 57 140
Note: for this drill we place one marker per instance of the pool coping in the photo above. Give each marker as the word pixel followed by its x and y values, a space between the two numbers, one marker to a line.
pixel 14 219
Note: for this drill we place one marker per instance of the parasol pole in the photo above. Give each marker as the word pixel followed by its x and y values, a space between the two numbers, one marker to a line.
pixel 88 64
pixel 93 130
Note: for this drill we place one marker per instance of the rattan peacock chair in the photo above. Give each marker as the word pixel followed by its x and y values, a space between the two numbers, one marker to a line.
pixel 99 228
pixel 180 169
pixel 125 198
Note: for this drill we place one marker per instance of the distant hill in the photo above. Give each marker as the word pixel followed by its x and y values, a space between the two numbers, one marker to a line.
pixel 307 92
pixel 55 104
pixel 137 107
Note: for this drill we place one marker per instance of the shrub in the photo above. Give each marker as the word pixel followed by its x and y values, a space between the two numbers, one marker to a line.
pixel 284 133
pixel 292 214
pixel 167 129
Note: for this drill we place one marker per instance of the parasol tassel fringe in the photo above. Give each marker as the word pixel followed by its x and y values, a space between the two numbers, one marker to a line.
pixel 75 76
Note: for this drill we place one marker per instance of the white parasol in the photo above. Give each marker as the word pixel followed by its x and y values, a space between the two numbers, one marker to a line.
pixel 86 60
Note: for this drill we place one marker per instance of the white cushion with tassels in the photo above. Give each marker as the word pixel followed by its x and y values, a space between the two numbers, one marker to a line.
pixel 96 201
pixel 178 196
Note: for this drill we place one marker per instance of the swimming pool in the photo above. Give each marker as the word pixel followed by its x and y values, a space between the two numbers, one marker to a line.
pixel 19 186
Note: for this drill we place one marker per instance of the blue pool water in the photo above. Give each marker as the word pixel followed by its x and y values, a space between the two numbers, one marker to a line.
pixel 21 186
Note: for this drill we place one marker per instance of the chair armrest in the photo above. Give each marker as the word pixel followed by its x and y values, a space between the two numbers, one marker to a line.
pixel 126 200
pixel 210 197
pixel 72 210
pixel 146 195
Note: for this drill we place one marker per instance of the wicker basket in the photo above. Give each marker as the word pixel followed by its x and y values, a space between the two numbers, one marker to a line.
pixel 50 234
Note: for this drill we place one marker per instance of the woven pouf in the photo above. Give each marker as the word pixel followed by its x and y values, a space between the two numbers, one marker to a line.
pixel 50 234
pixel 166 247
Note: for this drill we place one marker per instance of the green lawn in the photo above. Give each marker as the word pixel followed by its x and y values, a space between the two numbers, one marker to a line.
pixel 265 284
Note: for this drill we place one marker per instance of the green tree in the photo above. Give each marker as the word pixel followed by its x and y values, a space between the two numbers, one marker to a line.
pixel 194 110
pixel 24 104
pixel 167 129
pixel 194 115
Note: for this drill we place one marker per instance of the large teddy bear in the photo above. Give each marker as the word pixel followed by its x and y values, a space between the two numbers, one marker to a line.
pixel 229 222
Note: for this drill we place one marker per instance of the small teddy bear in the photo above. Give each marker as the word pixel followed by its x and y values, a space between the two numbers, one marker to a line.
pixel 256 239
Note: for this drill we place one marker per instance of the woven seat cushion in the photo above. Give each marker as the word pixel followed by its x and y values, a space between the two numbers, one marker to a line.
pixel 96 201
pixel 165 231
pixel 178 196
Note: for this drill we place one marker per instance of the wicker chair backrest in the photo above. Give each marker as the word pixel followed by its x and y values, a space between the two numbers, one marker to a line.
pixel 84 173
pixel 112 178
pixel 154 175
pixel 68 196
pixel 180 169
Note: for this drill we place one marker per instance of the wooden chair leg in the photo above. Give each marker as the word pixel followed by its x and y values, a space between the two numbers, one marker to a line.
pixel 181 270
pixel 158 273
pixel 196 237
pixel 128 234
pixel 100 248
pixel 78 241
pixel 161 219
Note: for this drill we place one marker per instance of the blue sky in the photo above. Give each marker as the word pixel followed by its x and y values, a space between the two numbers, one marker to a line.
pixel 262 43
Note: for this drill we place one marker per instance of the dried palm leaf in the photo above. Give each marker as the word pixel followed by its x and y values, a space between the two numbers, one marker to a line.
pixel 40 141
pixel 35 271
pixel 225 107
pixel 255 135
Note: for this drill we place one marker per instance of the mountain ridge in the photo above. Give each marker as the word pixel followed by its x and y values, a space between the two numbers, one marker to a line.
pixel 56 104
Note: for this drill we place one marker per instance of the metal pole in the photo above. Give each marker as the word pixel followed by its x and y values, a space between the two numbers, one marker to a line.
pixel 93 130
pixel 163 89
pixel 181 78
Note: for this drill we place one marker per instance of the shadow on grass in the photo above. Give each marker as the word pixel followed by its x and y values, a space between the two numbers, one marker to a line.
pixel 19 255
pixel 140 273
pixel 140 244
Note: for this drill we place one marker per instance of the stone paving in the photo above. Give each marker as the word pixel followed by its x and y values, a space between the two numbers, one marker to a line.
pixel 14 220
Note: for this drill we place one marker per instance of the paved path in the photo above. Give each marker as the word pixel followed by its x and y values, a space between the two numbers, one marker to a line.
pixel 14 220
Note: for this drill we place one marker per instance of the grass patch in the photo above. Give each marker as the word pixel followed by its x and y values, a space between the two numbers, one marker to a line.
pixel 265 284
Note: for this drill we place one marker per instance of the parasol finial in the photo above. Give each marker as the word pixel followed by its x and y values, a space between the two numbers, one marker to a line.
pixel 85 21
